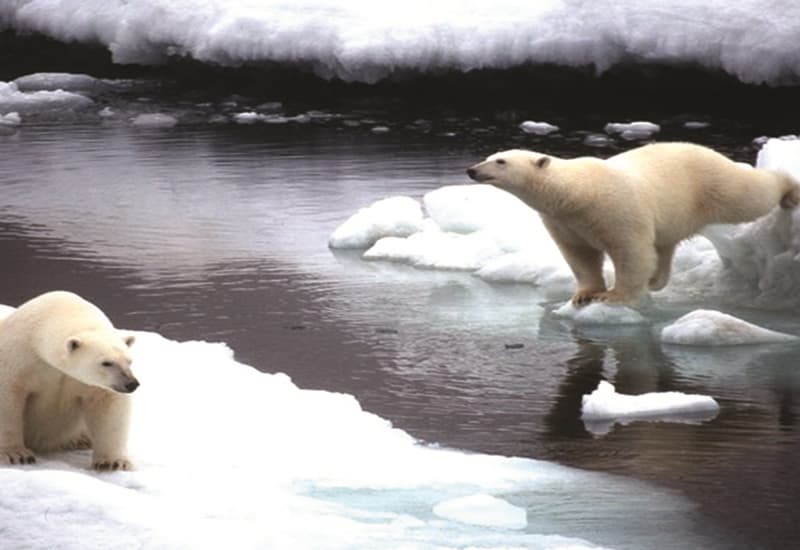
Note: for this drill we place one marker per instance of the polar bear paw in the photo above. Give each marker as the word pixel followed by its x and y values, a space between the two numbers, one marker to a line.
pixel 585 297
pixel 17 455
pixel 111 464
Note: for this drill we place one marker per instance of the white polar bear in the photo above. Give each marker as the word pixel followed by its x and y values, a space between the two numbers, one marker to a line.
pixel 64 375
pixel 636 207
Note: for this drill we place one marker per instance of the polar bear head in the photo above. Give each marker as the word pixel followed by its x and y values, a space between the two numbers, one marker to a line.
pixel 516 171
pixel 100 358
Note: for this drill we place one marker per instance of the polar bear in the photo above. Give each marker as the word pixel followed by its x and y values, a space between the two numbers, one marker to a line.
pixel 65 373
pixel 635 207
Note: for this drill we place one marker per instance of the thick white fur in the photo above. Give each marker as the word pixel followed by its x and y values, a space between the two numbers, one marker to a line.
pixel 636 207
pixel 64 375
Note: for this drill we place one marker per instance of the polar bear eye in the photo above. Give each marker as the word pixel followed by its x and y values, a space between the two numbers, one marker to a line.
pixel 500 161
pixel 107 364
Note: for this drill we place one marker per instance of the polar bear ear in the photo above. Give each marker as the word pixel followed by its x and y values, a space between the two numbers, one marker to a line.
pixel 73 344
pixel 129 339
pixel 541 162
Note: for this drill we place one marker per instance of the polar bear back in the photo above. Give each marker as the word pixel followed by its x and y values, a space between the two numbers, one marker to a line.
pixel 687 187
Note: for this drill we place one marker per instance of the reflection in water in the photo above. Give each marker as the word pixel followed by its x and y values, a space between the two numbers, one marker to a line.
pixel 221 233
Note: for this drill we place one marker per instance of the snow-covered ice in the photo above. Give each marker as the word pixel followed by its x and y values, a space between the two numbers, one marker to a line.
pixel 391 217
pixel 604 406
pixel 250 459
pixel 713 328
pixel 365 41
pixel 10 119
pixel 598 313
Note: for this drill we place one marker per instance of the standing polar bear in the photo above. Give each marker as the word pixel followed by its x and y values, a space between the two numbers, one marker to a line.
pixel 636 207
pixel 65 373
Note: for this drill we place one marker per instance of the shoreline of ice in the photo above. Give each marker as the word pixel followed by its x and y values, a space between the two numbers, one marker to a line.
pixel 215 470
pixel 366 42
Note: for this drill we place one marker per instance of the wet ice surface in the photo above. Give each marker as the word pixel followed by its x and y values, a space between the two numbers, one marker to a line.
pixel 219 231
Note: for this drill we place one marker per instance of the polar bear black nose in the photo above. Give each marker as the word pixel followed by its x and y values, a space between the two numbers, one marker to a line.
pixel 471 173
pixel 132 385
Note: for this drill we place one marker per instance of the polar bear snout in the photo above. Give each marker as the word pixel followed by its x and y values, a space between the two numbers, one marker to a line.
pixel 474 172
pixel 131 386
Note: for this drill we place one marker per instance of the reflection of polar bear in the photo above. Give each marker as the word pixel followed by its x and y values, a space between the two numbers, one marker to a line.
pixel 63 372
pixel 635 207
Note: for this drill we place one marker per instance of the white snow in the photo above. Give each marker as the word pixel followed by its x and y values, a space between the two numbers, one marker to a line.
pixel 392 217
pixel 482 509
pixel 14 100
pixel 713 328
pixel 250 459
pixel 604 406
pixel 538 128
pixel 366 41
pixel 154 120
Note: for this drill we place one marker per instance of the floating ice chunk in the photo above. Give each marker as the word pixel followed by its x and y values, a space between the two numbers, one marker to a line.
pixel 484 510
pixel 538 128
pixel 392 217
pixel 248 117
pixel 106 112
pixel 380 129
pixel 632 130
pixel 60 81
pixel 598 313
pixel 12 99
pixel 10 119
pixel 704 327
pixel 154 120
pixel 696 125
pixel 604 405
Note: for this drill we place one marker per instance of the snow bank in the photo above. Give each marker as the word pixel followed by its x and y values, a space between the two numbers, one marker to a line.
pixel 366 41
pixel 713 328
pixel 249 458
pixel 604 406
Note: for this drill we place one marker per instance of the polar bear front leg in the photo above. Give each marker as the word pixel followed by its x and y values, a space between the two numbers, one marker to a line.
pixel 664 267
pixel 12 428
pixel 108 423
pixel 586 264
pixel 634 265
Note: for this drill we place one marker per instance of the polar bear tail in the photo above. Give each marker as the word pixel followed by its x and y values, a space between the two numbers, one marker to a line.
pixel 791 198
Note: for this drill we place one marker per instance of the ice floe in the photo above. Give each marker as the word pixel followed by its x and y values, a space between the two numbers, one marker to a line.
pixel 604 407
pixel 713 328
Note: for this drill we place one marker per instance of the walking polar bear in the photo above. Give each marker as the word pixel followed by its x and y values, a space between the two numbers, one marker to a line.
pixel 636 207
pixel 65 373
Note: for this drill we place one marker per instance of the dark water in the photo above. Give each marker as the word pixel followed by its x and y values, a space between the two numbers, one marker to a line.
pixel 219 232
